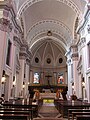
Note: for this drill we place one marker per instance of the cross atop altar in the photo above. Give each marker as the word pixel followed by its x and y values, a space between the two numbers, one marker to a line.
pixel 48 76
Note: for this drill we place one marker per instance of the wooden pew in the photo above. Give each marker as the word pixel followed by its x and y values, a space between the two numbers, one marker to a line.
pixel 65 105
pixel 32 108
pixel 15 112
pixel 82 117
pixel 79 113
pixel 14 116
pixel 76 110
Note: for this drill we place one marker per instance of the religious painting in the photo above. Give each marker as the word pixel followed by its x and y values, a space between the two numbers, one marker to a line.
pixel 36 77
pixel 60 78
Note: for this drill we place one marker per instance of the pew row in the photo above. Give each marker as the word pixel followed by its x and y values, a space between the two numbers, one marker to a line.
pixel 82 117
pixel 63 106
pixel 70 111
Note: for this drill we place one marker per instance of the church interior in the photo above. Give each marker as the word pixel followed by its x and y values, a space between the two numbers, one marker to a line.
pixel 45 59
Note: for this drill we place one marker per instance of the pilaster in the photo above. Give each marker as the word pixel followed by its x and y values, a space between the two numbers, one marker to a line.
pixel 74 56
pixel 69 72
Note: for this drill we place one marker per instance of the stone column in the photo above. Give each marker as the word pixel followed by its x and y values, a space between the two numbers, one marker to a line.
pixel 4 23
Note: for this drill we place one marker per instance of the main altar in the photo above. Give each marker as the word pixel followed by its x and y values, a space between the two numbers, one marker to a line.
pixel 47 88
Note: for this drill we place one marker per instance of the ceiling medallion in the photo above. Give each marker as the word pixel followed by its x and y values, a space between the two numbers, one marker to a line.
pixel 49 33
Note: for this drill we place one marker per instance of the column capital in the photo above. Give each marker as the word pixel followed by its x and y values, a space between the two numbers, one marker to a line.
pixel 4 24
pixel 74 52
pixel 24 52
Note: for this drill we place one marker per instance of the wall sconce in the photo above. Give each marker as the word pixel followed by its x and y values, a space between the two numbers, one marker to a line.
pixel 73 85
pixel 14 82
pixel 83 82
pixel 23 85
pixel 3 77
pixel 28 83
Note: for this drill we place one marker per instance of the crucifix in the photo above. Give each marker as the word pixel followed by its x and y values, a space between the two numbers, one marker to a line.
pixel 48 76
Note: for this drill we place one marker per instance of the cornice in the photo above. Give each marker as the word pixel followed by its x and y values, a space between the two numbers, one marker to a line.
pixel 9 8
pixel 86 17
pixel 24 52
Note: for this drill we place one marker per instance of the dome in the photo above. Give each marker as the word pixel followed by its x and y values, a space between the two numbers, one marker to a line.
pixel 48 54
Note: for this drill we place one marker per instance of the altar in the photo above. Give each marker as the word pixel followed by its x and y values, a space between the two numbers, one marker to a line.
pixel 47 95
pixel 47 88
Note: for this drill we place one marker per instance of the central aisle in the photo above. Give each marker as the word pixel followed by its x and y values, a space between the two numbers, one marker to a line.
pixel 48 111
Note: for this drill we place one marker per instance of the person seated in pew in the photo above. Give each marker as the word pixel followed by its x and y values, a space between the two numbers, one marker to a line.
pixel 2 99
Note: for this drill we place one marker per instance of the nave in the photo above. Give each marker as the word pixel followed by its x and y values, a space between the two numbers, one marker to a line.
pixel 44 109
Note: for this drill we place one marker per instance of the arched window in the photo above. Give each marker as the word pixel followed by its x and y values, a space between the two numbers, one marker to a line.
pixel 36 77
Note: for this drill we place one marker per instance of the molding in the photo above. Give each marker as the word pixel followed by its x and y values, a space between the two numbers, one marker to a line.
pixel 10 9
pixel 88 71
pixel 86 17
pixel 17 41
pixel 24 52
pixel 4 24
pixel 44 31
pixel 29 3
pixel 27 61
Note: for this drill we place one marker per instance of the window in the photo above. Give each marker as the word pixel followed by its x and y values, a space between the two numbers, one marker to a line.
pixel 8 53
pixel 60 78
pixel 89 54
pixel 36 78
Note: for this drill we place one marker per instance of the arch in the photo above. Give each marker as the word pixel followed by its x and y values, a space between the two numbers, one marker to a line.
pixel 29 3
